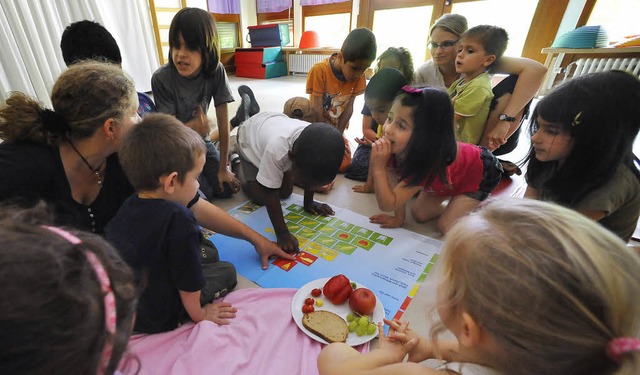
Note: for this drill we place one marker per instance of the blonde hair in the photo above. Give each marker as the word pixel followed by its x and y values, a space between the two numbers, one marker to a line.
pixel 83 97
pixel 451 22
pixel 551 287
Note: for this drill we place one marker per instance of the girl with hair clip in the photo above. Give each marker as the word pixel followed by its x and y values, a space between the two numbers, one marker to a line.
pixel 185 86
pixel 68 300
pixel 581 153
pixel 419 153
pixel 527 288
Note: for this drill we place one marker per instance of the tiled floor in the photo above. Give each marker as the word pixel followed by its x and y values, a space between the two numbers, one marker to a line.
pixel 271 95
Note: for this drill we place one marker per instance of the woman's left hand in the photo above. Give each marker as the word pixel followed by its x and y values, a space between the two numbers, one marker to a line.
pixel 230 178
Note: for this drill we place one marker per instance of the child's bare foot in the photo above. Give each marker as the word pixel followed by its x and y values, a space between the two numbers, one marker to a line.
pixel 325 189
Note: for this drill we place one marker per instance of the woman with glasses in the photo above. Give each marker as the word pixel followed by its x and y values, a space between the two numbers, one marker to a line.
pixel 511 96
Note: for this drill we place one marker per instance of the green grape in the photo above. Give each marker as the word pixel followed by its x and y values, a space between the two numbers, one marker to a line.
pixel 363 321
pixel 353 325
pixel 371 329
pixel 350 317
pixel 361 330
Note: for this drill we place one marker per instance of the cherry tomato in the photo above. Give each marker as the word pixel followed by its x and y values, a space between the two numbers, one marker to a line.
pixel 307 309
pixel 316 292
pixel 309 301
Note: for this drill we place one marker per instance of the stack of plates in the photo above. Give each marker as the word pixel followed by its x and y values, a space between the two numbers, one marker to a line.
pixel 583 37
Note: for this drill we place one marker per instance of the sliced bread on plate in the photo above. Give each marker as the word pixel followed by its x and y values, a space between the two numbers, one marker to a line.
pixel 327 325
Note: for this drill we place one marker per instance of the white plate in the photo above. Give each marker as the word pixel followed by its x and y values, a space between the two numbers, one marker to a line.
pixel 342 310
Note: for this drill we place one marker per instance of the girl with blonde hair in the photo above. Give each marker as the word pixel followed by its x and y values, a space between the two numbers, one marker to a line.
pixel 527 287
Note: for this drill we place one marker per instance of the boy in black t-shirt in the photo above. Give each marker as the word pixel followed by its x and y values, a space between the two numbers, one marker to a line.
pixel 158 235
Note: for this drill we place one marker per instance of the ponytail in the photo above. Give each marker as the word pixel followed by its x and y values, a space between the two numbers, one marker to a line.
pixel 23 118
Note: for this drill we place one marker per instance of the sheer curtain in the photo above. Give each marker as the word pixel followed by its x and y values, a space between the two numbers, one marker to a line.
pixel 273 6
pixel 30 32
pixel 224 6
pixel 320 2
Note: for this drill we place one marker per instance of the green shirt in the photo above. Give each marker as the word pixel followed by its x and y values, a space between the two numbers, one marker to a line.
pixel 471 100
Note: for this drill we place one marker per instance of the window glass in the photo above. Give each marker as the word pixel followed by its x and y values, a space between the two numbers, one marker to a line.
pixel 618 17
pixel 228 34
pixel 397 28
pixel 513 16
pixel 329 36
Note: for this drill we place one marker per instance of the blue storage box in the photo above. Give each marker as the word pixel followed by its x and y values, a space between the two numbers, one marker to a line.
pixel 276 34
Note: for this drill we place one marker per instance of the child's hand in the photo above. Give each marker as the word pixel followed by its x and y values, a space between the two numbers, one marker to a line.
pixel 200 122
pixel 400 331
pixel 498 136
pixel 364 141
pixel 229 177
pixel 219 312
pixel 366 188
pixel 380 153
pixel 316 208
pixel 288 243
pixel 398 348
pixel 266 249
pixel 386 221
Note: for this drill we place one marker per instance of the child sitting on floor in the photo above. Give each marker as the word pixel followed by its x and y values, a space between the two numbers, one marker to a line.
pixel 334 83
pixel 582 149
pixel 419 153
pixel 158 235
pixel 277 151
pixel 526 288
pixel 68 300
pixel 480 47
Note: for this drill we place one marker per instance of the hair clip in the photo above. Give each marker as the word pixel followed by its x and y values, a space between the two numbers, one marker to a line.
pixel 53 121
pixel 576 119
pixel 621 346
pixel 413 90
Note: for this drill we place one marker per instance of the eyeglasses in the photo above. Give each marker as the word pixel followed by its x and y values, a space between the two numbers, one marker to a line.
pixel 444 45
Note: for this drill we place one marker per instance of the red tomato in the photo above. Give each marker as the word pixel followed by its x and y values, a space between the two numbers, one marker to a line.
pixel 307 309
pixel 337 289
pixel 309 301
pixel 316 292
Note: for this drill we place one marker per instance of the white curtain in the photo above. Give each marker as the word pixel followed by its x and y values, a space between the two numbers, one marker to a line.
pixel 30 32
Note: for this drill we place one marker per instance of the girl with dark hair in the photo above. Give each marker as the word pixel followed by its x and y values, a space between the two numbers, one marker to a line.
pixel 581 154
pixel 185 86
pixel 420 150
pixel 68 300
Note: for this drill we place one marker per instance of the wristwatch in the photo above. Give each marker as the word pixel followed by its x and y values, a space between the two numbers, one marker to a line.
pixel 504 117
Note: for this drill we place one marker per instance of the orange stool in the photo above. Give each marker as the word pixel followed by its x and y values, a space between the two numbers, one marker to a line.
pixel 309 39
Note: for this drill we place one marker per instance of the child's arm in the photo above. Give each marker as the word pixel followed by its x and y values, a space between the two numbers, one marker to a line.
pixel 344 118
pixel 388 198
pixel 339 358
pixel 224 174
pixel 200 122
pixel 287 241
pixel 424 349
pixel 531 193
pixel 368 135
pixel 316 108
pixel 217 312
pixel 530 76
pixel 388 221
pixel 368 186
pixel 210 216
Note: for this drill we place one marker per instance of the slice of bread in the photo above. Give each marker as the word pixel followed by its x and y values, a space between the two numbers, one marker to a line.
pixel 327 325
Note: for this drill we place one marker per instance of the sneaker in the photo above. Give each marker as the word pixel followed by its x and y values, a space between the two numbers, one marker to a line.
pixel 248 107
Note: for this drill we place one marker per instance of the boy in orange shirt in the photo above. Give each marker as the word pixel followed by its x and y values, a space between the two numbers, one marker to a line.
pixel 333 84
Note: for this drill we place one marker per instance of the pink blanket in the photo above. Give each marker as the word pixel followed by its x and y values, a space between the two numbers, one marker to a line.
pixel 262 339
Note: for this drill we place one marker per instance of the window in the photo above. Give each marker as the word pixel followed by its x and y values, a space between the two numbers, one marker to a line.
pixel 513 16
pixel 618 17
pixel 338 15
pixel 228 34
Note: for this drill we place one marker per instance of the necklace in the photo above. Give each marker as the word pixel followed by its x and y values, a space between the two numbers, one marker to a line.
pixel 95 171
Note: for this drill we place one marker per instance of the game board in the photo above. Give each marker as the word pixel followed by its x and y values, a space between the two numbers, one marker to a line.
pixel 390 262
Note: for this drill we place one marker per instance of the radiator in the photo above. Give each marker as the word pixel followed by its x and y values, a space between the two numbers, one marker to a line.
pixel 591 65
pixel 588 65
pixel 302 63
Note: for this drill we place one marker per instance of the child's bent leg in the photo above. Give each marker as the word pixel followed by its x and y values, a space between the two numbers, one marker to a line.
pixel 427 207
pixel 459 206
pixel 221 276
